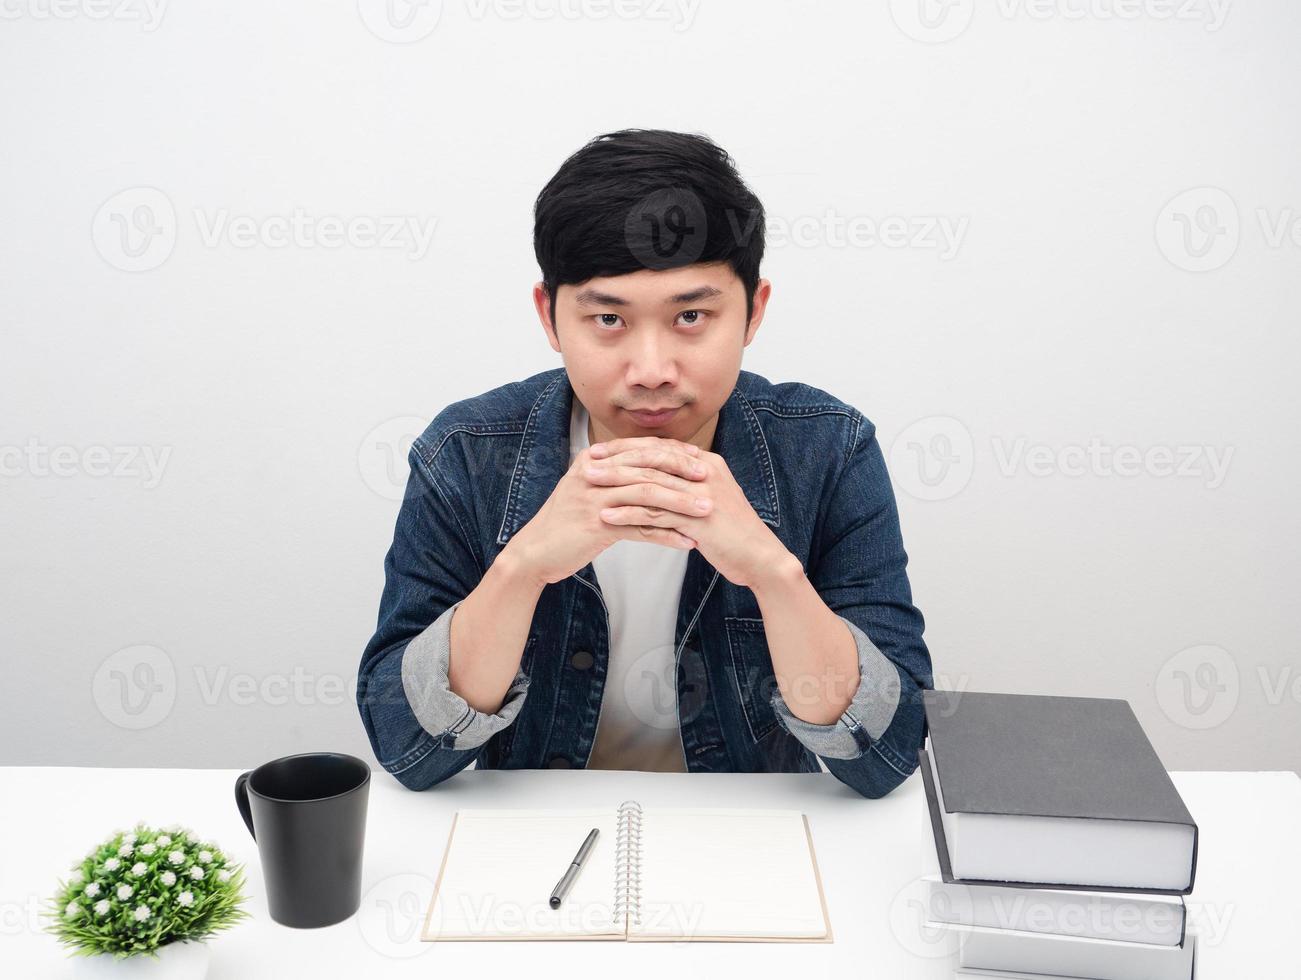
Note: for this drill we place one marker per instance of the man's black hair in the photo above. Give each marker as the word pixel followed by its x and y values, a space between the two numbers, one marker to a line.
pixel 646 198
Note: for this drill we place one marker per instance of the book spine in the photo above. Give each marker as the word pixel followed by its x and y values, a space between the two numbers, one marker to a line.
pixel 627 863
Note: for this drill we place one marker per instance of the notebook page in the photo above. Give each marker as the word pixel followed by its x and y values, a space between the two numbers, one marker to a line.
pixel 739 873
pixel 501 868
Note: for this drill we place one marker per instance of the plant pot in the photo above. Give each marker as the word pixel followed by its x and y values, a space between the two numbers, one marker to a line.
pixel 176 961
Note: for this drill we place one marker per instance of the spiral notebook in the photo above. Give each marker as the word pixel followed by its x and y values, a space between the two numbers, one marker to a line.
pixel 654 874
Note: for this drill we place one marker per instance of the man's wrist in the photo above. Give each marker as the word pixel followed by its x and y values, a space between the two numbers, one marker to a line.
pixel 778 574
pixel 516 570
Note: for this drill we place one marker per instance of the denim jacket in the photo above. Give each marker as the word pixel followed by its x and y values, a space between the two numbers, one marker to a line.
pixel 810 466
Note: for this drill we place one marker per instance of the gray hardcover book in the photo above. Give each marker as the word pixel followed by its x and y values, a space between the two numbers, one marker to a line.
pixel 1058 791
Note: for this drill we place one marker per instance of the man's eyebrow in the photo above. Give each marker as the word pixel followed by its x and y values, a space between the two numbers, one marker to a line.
pixel 594 297
pixel 702 292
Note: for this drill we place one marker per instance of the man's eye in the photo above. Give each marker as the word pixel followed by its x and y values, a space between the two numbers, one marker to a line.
pixel 696 317
pixel 603 319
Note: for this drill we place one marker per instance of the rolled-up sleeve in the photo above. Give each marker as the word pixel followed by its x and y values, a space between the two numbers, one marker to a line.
pixel 425 667
pixel 869 713
pixel 861 576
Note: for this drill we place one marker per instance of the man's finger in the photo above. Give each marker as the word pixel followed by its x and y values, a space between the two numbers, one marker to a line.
pixel 641 496
pixel 613 446
pixel 607 474
pixel 656 457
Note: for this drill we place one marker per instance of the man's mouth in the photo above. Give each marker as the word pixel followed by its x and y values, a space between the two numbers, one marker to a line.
pixel 649 418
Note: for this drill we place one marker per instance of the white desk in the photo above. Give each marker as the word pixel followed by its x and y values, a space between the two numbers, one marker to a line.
pixel 870 852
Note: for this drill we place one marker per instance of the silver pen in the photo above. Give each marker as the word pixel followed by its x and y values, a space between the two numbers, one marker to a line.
pixel 562 886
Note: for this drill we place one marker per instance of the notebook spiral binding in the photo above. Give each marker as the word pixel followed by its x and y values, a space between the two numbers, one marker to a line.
pixel 627 863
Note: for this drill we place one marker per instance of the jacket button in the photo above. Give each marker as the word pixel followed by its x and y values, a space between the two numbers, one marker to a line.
pixel 582 660
pixel 559 762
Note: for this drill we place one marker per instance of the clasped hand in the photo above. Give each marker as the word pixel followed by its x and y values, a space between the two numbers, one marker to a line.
pixel 662 482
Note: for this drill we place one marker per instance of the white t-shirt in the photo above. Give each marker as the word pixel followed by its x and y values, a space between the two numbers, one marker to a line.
pixel 641 583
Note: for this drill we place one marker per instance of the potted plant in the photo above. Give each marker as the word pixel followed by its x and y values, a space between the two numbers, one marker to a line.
pixel 144 902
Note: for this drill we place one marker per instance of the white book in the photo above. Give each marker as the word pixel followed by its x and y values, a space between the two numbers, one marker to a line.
pixel 1009 951
pixel 654 874
pixel 1009 975
pixel 1084 852
pixel 1124 916
pixel 1006 975
pixel 1064 792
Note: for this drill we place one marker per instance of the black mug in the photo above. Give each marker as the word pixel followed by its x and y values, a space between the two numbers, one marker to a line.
pixel 308 815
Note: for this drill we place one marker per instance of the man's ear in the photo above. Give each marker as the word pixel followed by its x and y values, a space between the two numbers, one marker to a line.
pixel 542 303
pixel 762 290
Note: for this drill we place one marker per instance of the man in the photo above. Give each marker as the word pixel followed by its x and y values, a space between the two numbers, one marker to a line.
pixel 649 559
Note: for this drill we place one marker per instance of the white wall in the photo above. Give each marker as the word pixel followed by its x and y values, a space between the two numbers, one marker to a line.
pixel 1064 146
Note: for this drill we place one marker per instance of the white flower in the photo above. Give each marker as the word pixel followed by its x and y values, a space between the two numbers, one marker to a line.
pixel 72 909
pixel 148 849
pixel 196 872
pixel 141 913
pixel 205 857
pixel 92 889
pixel 176 857
pixel 169 878
pixel 76 875
pixel 125 850
pixel 139 868
pixel 124 892
pixel 164 840
pixel 192 838
pixel 223 875
pixel 129 838
pixel 111 864
pixel 101 907
pixel 186 898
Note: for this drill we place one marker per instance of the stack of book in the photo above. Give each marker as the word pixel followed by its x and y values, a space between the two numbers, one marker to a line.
pixel 1063 848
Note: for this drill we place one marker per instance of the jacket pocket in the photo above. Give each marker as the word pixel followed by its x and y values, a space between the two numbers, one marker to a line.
pixel 752 668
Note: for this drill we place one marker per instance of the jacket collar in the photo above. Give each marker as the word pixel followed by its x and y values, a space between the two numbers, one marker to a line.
pixel 544 455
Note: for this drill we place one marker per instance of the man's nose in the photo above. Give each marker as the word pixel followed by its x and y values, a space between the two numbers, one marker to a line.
pixel 653 363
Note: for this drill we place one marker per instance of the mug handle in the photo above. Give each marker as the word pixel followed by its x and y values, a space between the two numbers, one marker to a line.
pixel 241 801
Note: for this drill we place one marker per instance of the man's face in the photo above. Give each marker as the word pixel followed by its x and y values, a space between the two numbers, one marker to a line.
pixel 650 340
